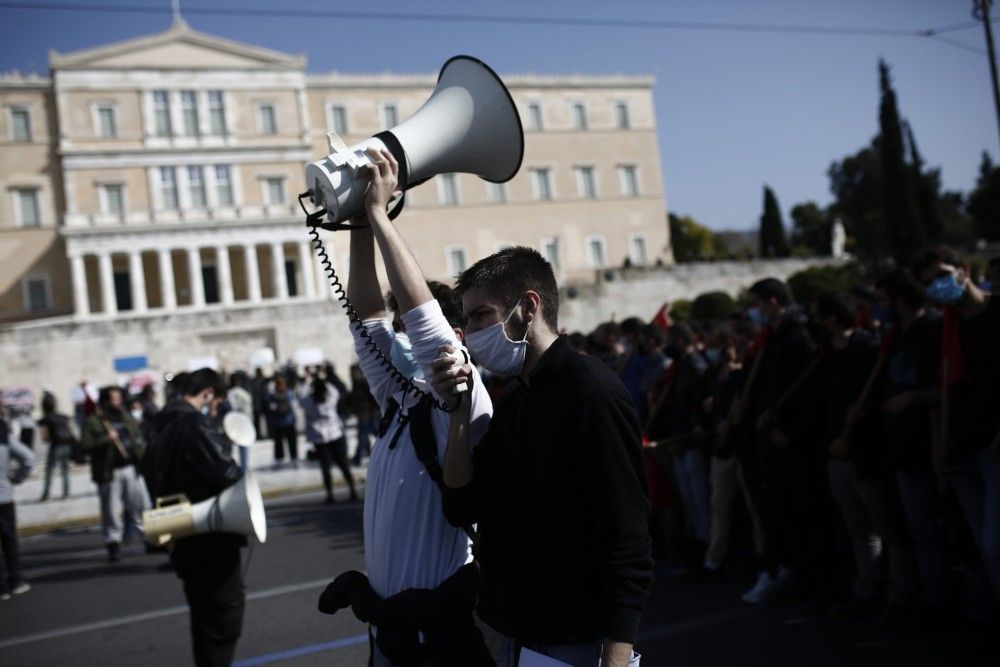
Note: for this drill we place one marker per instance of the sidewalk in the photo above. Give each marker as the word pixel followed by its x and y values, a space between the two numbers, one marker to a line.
pixel 82 507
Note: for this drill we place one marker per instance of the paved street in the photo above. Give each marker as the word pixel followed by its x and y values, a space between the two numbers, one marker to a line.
pixel 83 611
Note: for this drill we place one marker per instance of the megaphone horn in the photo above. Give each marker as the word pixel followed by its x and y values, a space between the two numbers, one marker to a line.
pixel 238 509
pixel 469 124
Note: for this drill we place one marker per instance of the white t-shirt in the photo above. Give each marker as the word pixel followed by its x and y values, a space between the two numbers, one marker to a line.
pixel 408 542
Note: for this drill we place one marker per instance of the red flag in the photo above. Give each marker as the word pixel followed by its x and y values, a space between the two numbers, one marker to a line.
pixel 662 319
pixel 953 368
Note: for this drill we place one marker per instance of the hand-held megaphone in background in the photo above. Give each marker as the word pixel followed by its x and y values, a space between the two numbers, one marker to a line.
pixel 238 509
pixel 238 427
pixel 469 124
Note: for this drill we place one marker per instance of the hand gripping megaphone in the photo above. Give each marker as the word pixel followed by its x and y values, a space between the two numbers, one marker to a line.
pixel 469 124
pixel 239 509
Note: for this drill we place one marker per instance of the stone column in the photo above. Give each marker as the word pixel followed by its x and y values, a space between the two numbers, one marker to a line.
pixel 253 273
pixel 224 274
pixel 278 271
pixel 81 302
pixel 107 284
pixel 307 271
pixel 194 278
pixel 137 279
pixel 167 288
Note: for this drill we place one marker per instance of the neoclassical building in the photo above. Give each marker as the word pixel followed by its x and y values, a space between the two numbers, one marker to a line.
pixel 149 199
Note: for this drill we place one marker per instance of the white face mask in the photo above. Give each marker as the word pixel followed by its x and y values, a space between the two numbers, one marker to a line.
pixel 495 351
pixel 137 415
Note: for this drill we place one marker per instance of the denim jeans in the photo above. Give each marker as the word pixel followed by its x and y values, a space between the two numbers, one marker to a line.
pixel 922 505
pixel 692 478
pixel 977 485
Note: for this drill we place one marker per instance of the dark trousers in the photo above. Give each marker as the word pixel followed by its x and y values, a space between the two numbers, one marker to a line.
pixel 10 565
pixel 367 429
pixel 332 452
pixel 209 566
pixel 281 435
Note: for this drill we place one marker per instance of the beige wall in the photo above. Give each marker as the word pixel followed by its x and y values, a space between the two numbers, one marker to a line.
pixel 81 128
pixel 83 186
pixel 28 164
pixel 33 253
pixel 245 115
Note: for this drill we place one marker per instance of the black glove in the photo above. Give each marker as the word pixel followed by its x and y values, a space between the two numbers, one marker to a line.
pixel 341 591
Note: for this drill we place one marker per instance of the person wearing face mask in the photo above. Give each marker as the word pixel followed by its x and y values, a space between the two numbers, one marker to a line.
pixel 970 344
pixel 113 439
pixel 416 564
pixel 557 485
pixel 189 454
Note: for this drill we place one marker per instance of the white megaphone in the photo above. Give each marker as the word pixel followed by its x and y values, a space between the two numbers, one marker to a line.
pixel 469 124
pixel 239 509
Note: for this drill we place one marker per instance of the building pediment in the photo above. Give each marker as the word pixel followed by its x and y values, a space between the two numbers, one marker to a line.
pixel 178 48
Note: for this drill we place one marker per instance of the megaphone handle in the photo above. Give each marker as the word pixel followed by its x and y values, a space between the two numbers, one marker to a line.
pixel 398 208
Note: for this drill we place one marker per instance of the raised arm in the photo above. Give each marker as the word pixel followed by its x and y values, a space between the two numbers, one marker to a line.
pixel 362 283
pixel 405 277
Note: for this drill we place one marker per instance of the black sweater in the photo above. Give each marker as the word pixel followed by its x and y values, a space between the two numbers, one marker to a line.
pixel 559 494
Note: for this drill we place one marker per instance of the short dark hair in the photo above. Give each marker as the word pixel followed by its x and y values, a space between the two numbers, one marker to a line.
pixel 509 273
pixel 772 288
pixel 447 298
pixel 901 284
pixel 934 255
pixel 202 379
pixel 838 306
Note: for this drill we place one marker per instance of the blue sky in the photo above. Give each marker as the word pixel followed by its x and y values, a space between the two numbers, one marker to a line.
pixel 736 110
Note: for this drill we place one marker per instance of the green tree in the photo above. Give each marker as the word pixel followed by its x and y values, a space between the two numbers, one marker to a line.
pixel 926 187
pixel 772 231
pixel 691 241
pixel 712 306
pixel 984 202
pixel 856 185
pixel 904 230
pixel 811 228
pixel 809 283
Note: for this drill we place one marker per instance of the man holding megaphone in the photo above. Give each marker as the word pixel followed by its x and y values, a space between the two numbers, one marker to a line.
pixel 188 455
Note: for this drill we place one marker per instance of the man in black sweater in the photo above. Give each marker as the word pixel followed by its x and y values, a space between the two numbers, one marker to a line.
pixel 188 454
pixel 557 485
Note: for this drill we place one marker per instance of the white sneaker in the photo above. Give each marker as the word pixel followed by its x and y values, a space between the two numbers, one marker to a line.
pixel 760 589
pixel 22 587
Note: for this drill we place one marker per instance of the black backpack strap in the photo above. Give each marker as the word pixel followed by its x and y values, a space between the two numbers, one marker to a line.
pixel 422 435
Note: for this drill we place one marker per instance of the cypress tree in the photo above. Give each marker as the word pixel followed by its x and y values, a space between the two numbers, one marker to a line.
pixel 925 185
pixel 773 242
pixel 904 231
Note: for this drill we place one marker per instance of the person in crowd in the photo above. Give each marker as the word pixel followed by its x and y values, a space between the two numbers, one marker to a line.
pixel 189 454
pixel 11 450
pixel 725 350
pixel 970 345
pixel 325 430
pixel 365 409
pixel 281 421
pixel 55 429
pixel 258 388
pixel 557 486
pixel 421 581
pixel 786 469
pixel 632 364
pixel 860 477
pixel 677 424
pixel 114 442
pixel 910 392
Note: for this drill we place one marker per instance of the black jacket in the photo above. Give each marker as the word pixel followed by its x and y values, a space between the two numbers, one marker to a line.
pixel 187 454
pixel 559 495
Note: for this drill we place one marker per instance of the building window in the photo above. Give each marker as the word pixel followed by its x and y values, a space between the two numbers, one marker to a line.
pixel 456 259
pixel 637 251
pixel 168 188
pixel 20 124
pixel 338 119
pixel 161 113
pixel 274 191
pixel 189 112
pixel 535 116
pixel 448 190
pixel 389 115
pixel 224 184
pixel 550 251
pixel 579 116
pixel 585 183
pixel 113 199
pixel 268 118
pixel 497 192
pixel 26 202
pixel 595 252
pixel 196 187
pixel 629 179
pixel 37 293
pixel 621 115
pixel 107 125
pixel 541 183
pixel 217 112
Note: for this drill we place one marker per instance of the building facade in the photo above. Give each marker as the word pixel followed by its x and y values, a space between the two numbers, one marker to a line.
pixel 154 181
